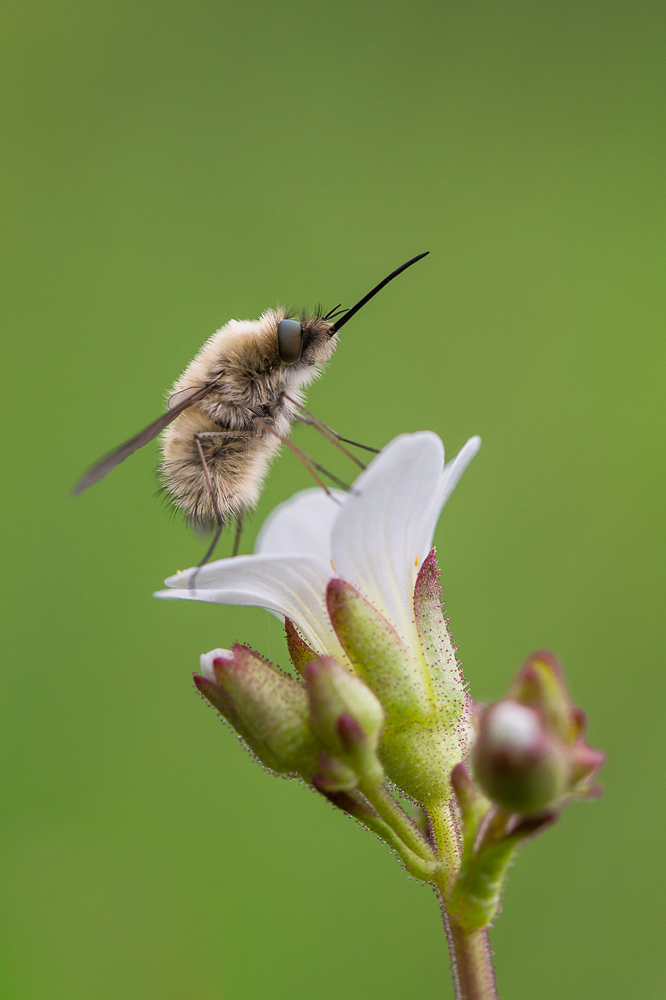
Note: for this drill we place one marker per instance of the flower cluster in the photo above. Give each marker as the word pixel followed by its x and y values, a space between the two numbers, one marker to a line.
pixel 378 704
pixel 356 582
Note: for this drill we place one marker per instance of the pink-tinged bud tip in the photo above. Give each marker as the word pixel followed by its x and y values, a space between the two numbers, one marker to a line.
pixel 350 731
pixel 585 762
pixel 517 762
pixel 208 660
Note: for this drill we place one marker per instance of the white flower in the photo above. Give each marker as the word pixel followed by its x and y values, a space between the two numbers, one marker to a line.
pixel 375 538
pixel 358 580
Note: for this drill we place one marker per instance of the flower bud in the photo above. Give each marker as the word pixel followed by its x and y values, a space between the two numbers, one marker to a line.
pixel 267 708
pixel 334 775
pixel 530 751
pixel 346 716
pixel 540 684
pixel 517 762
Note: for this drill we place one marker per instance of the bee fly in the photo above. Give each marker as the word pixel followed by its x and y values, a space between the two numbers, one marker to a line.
pixel 233 406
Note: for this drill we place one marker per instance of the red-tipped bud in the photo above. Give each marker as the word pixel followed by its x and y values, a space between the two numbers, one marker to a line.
pixel 517 762
pixel 346 716
pixel 530 751
pixel 266 707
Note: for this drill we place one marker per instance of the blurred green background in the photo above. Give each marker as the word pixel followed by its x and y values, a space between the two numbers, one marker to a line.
pixel 168 166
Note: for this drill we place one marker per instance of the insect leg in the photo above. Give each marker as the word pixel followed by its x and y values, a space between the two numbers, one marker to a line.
pixel 239 532
pixel 218 516
pixel 211 549
pixel 305 460
pixel 330 434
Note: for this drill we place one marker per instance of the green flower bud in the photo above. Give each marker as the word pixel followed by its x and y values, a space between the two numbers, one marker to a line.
pixel 540 684
pixel 530 753
pixel 518 764
pixel 346 716
pixel 267 708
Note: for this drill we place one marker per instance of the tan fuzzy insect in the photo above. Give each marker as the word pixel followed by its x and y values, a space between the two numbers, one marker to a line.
pixel 232 407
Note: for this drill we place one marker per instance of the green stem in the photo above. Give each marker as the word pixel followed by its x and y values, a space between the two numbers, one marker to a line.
pixel 471 957
pixel 421 865
pixel 395 817
pixel 447 838
pixel 471 962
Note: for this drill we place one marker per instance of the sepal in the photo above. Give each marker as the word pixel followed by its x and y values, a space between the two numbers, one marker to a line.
pixel 377 653
pixel 299 651
pixel 422 735
pixel 452 701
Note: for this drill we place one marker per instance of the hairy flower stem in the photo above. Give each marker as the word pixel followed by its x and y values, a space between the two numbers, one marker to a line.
pixel 396 818
pixel 470 954
pixel 471 962
pixel 446 835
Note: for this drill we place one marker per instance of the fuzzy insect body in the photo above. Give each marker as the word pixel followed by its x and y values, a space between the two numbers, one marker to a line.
pixel 233 406
pixel 251 383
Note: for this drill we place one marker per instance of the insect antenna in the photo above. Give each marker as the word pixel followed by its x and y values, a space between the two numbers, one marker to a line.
pixel 336 311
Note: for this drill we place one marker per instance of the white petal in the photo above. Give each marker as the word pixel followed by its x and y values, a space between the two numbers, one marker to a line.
pixel 382 536
pixel 301 525
pixel 206 662
pixel 379 535
pixel 291 586
pixel 453 470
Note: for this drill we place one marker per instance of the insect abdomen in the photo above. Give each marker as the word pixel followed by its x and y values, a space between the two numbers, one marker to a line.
pixel 236 461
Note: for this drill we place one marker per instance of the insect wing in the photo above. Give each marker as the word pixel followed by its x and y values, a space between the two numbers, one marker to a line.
pixel 118 455
pixel 183 397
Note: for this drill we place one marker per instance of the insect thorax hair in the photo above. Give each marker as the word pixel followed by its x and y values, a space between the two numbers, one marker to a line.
pixel 250 380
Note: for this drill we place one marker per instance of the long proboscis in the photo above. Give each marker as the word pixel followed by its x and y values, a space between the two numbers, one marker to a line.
pixel 366 298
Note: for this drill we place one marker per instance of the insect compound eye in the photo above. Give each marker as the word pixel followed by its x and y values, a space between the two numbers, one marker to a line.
pixel 290 340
